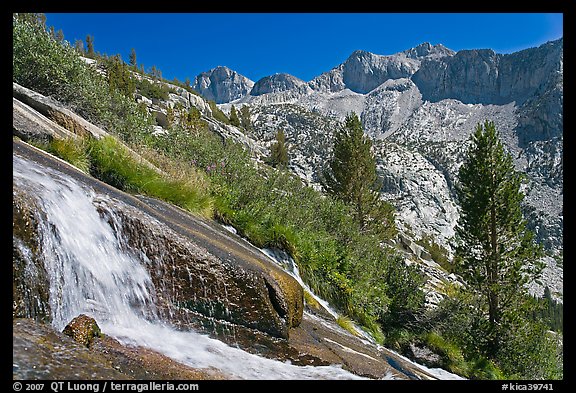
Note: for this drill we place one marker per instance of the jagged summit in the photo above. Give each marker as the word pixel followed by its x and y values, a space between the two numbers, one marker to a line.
pixel 426 49
pixel 361 72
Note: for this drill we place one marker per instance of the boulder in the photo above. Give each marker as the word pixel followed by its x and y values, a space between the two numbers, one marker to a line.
pixel 83 329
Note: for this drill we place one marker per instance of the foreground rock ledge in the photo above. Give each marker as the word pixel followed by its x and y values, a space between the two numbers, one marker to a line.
pixel 40 352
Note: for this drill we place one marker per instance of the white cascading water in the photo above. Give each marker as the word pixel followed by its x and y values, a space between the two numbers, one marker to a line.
pixel 91 273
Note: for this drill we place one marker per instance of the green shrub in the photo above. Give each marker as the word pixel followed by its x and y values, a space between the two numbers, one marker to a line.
pixel 54 69
pixel 217 113
pixel 152 90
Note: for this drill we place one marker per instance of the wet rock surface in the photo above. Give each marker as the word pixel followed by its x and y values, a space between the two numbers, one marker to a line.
pixel 83 329
pixel 40 352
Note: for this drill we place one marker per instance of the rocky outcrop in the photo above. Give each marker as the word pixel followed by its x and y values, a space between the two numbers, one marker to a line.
pixel 277 83
pixel 30 285
pixel 199 283
pixel 427 50
pixel 56 112
pixel 221 84
pixel 363 71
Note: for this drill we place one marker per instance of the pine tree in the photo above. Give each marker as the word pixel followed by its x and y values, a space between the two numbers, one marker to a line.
pixel 89 46
pixel 234 120
pixel 119 77
pixel 132 58
pixel 351 177
pixel 245 121
pixel 278 152
pixel 496 254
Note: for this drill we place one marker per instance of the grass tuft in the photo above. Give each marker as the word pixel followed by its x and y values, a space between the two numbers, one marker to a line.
pixel 72 150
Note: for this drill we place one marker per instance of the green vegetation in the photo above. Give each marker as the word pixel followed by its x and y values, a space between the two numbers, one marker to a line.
pixel 245 120
pixel 119 77
pixel 234 120
pixel 351 177
pixel 152 90
pixel 336 240
pixel 492 317
pixel 347 324
pixel 549 311
pixel 278 152
pixel 71 150
pixel 110 161
pixel 438 253
pixel 217 113
pixel 54 69
pixel 495 252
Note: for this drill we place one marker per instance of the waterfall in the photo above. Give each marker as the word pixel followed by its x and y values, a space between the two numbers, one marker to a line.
pixel 92 271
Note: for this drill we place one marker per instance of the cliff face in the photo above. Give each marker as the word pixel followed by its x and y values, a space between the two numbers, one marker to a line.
pixel 485 77
pixel 221 84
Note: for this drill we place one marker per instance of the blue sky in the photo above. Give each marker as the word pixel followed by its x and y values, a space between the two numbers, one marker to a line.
pixel 302 44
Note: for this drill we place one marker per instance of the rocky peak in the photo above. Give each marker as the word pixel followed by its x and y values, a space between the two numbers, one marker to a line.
pixel 221 84
pixel 276 83
pixel 364 71
pixel 426 49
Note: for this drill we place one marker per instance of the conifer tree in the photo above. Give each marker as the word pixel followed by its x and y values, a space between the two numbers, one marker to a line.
pixel 245 120
pixel 234 120
pixel 132 58
pixel 119 77
pixel 351 177
pixel 79 46
pixel 89 46
pixel 496 253
pixel 278 152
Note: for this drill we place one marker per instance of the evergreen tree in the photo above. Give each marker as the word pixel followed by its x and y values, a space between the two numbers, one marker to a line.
pixel 89 46
pixel 119 77
pixel 187 82
pixel 278 152
pixel 132 58
pixel 234 120
pixel 351 177
pixel 245 121
pixel 496 254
